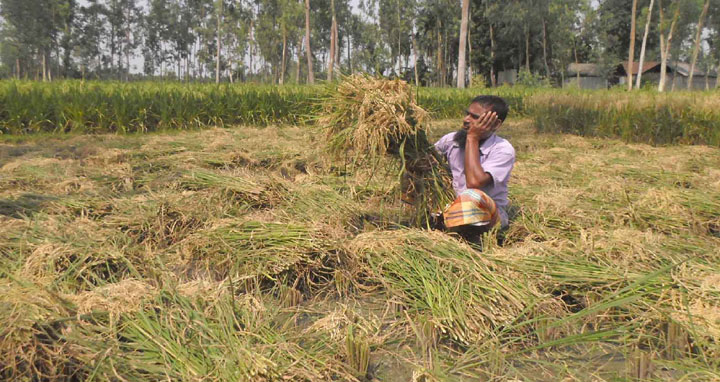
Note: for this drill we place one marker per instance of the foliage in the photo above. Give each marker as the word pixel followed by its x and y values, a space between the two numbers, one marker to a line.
pixel 532 80
pixel 261 41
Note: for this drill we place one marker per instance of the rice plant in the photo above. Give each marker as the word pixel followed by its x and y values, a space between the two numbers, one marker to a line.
pixel 664 118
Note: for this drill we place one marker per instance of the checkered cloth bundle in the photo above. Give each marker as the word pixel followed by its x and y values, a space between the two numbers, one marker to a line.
pixel 472 207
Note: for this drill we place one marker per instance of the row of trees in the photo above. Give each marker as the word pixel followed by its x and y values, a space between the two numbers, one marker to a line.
pixel 433 42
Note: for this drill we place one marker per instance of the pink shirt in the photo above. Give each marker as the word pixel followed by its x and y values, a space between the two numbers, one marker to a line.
pixel 497 157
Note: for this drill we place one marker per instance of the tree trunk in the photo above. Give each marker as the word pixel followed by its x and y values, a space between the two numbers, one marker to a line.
pixel 675 77
pixel 251 46
pixel 469 55
pixel 577 72
pixel 112 49
pixel 127 47
pixel 301 40
pixel 631 53
pixel 707 79
pixel 439 53
pixel 349 54
pixel 493 81
pixel 284 49
pixel 397 4
pixel 337 47
pixel 217 53
pixel 445 57
pixel 697 43
pixel 414 44
pixel 644 42
pixel 463 44
pixel 333 43
pixel 663 65
pixel 665 42
pixel 44 68
pixel 527 48
pixel 308 51
pixel 545 59
pixel 17 68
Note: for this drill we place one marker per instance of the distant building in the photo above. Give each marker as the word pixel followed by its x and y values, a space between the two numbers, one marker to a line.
pixel 585 76
pixel 507 77
pixel 681 74
pixel 677 75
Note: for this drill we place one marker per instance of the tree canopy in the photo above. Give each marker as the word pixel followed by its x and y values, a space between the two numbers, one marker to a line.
pixel 263 40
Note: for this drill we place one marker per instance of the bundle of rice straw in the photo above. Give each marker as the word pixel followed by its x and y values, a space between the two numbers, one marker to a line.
pixel 367 118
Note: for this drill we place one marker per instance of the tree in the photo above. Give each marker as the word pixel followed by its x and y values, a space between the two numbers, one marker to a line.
pixel 696 47
pixel 333 43
pixel 290 18
pixel 123 17
pixel 714 38
pixel 666 33
pixel 644 43
pixel 308 51
pixel 32 30
pixel 87 46
pixel 219 11
pixel 631 54
pixel 463 44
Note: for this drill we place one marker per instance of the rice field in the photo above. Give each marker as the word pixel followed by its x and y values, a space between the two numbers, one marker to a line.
pixel 245 253
pixel 646 117
pixel 79 107
pixel 28 107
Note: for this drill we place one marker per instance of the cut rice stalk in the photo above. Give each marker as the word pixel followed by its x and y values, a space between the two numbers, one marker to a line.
pixel 368 119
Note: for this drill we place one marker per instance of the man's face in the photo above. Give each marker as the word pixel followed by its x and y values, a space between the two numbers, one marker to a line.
pixel 473 117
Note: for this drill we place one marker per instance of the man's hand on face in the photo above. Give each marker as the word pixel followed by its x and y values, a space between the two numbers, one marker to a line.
pixel 483 126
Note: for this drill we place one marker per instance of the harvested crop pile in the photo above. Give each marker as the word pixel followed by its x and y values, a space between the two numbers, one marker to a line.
pixel 466 296
pixel 251 250
pixel 368 120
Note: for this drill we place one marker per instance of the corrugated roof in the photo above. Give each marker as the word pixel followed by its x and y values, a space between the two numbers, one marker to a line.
pixel 585 69
pixel 647 65
pixel 683 68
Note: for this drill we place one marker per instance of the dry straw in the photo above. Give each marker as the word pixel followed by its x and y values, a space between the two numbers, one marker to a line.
pixel 368 119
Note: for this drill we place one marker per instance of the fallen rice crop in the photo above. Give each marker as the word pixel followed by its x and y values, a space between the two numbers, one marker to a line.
pixel 244 254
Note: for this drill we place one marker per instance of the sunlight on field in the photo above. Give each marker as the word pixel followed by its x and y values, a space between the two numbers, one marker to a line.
pixel 245 254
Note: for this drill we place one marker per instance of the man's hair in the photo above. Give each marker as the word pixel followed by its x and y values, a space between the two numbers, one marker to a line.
pixel 494 103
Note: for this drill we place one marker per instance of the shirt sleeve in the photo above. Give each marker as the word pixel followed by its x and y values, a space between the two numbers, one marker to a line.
pixel 443 144
pixel 499 165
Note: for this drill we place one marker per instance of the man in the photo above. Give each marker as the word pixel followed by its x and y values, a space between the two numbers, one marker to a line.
pixel 481 163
